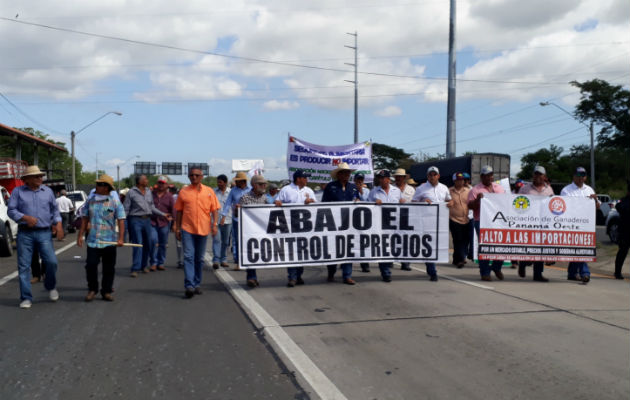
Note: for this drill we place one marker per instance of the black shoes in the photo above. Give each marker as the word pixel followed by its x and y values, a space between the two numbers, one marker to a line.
pixel 291 283
pixel 299 281
pixel 618 276
pixel 433 278
pixel 586 279
pixel 387 279
pixel 198 291
pixel 541 279
pixel 521 270
pixel 573 278
pixel 405 267
pixel 189 293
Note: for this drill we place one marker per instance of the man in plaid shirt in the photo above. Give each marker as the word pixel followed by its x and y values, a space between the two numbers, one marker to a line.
pixel 103 212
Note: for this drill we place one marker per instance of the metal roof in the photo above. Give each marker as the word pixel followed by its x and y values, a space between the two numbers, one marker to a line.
pixel 8 131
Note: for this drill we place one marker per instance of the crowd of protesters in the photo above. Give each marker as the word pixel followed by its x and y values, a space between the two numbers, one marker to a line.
pixel 197 213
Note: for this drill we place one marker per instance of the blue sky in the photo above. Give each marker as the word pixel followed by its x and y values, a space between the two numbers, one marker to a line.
pixel 186 106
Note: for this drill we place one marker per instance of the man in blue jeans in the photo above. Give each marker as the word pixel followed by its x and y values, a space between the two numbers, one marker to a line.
pixel 487 185
pixel 296 193
pixel 221 241
pixel 34 208
pixel 578 188
pixel 160 226
pixel 340 189
pixel 139 208
pixel 231 203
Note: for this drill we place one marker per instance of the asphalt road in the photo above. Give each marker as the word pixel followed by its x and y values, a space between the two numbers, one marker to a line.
pixel 409 339
pixel 150 343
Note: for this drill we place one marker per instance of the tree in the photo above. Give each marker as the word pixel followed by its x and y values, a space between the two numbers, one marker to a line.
pixel 388 157
pixel 607 106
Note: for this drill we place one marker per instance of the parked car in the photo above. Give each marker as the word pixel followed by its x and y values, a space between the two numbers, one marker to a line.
pixel 612 225
pixel 8 227
pixel 78 198
pixel 607 204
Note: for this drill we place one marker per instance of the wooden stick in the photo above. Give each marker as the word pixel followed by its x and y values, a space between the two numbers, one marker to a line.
pixel 124 244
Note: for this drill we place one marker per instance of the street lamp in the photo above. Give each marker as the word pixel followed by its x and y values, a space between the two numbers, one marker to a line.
pixel 73 134
pixel 590 129
pixel 118 171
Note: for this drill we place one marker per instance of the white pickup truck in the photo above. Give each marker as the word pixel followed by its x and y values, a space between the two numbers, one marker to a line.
pixel 8 227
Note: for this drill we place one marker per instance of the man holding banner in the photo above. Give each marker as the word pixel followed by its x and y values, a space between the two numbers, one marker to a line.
pixel 298 193
pixel 538 187
pixel 432 191
pixel 385 193
pixel 487 185
pixel 341 190
pixel 579 189
pixel 255 196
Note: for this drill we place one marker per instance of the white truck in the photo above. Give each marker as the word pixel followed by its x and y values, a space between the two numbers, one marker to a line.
pixel 8 227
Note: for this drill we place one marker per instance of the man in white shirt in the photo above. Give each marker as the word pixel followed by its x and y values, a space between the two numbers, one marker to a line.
pixel 579 189
pixel 385 193
pixel 65 206
pixel 296 193
pixel 432 191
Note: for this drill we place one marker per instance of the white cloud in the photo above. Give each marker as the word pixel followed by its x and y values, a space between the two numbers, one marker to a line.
pixel 275 105
pixel 389 111
pixel 509 39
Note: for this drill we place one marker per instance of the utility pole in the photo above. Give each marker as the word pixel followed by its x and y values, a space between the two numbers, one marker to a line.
pixel 356 89
pixel 450 116
pixel 590 129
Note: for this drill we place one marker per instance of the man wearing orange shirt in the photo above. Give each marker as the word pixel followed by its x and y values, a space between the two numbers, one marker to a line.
pixel 197 215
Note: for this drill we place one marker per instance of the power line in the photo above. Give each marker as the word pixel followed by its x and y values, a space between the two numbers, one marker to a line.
pixel 262 61
pixel 28 116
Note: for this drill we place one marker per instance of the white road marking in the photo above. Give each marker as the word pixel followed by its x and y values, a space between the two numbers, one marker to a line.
pixel 320 383
pixel 14 274
pixel 450 278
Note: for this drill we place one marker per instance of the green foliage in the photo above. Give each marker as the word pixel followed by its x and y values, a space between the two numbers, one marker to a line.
pixel 611 166
pixel 388 157
pixel 608 107
pixel 61 162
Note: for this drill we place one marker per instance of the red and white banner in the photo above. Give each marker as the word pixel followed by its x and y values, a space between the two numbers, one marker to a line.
pixel 537 228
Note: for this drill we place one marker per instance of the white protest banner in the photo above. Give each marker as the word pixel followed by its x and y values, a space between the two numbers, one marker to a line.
pixel 330 233
pixel 319 160
pixel 537 228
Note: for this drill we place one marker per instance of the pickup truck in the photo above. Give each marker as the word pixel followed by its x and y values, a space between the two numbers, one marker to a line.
pixel 607 204
pixel 8 227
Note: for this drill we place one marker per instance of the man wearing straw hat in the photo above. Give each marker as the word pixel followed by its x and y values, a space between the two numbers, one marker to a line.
pixel 231 204
pixel 103 212
pixel 341 190
pixel 406 194
pixel 34 208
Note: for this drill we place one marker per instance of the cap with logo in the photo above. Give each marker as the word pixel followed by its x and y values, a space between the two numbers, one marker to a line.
pixel 580 171
pixel 300 173
pixel 384 173
pixel 487 170
pixel 162 179
pixel 433 169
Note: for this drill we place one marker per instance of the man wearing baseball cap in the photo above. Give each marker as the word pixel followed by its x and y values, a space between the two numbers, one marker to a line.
pixel 255 196
pixel 160 225
pixel 34 208
pixel 487 185
pixel 432 191
pixel 296 193
pixel 538 187
pixel 579 189
pixel 385 193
